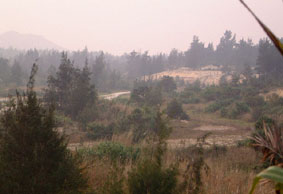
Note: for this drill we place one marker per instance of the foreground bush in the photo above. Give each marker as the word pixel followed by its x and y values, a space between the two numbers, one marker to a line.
pixel 33 156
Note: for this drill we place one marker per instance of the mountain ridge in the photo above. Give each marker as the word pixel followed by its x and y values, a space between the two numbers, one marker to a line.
pixel 13 39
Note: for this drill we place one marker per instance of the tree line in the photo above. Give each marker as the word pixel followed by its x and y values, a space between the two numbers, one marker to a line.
pixel 112 72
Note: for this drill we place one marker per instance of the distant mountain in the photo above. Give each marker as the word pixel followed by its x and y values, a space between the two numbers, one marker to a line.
pixel 26 41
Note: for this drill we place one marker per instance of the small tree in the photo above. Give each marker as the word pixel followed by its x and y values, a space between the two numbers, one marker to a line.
pixel 151 176
pixel 33 156
pixel 70 89
pixel 168 84
pixel 175 110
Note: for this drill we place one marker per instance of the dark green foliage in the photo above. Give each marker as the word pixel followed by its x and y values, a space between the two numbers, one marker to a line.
pixel 235 79
pixel 194 155
pixel 5 71
pixel 238 109
pixel 146 95
pixel 190 95
pixel 150 176
pixel 259 125
pixel 220 93
pixel 257 112
pixel 175 110
pixel 99 131
pixel 223 112
pixel 70 90
pixel 111 151
pixel 218 105
pixel 33 156
pixel 16 74
pixel 142 64
pixel 269 61
pixel 255 101
pixel 143 123
pixel 168 84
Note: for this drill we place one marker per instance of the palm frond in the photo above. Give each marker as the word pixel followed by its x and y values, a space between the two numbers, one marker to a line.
pixel 271 144
pixel 273 38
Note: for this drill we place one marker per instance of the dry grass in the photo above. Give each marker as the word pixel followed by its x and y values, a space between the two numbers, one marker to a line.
pixel 230 172
pixel 233 172
pixel 224 131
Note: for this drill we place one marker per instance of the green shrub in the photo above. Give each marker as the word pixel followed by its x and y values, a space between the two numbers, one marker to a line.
pixel 259 125
pixel 112 151
pixel 218 105
pixel 61 119
pixel 255 101
pixel 238 109
pixel 142 123
pixel 223 112
pixel 145 95
pixel 99 131
pixel 151 178
pixel 257 112
pixel 167 84
pixel 175 110
pixel 33 157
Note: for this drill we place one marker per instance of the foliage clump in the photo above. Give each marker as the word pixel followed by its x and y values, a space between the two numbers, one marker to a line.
pixel 70 89
pixel 33 157
pixel 151 176
pixel 175 110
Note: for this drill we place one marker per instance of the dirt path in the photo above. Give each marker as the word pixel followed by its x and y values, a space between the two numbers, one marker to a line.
pixel 114 95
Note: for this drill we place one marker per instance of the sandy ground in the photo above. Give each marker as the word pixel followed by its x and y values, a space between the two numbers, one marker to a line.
pixel 207 77
pixel 278 91
pixel 227 140
pixel 114 95
pixel 4 99
pixel 214 128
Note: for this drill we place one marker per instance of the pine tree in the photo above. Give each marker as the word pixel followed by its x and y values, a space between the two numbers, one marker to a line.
pixel 83 93
pixel 33 157
pixel 16 74
pixel 70 89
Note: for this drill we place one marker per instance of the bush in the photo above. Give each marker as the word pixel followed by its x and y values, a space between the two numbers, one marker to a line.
pixel 33 157
pixel 167 84
pixel 145 95
pixel 112 151
pixel 257 112
pixel 175 110
pixel 142 123
pixel 238 109
pixel 61 119
pixel 255 101
pixel 223 112
pixel 220 93
pixel 151 178
pixel 99 131
pixel 218 105
pixel 190 100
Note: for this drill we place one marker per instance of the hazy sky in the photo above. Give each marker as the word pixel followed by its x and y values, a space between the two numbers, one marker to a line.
pixel 119 26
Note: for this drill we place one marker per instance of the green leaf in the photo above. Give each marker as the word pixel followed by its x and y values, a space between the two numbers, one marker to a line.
pixel 272 173
pixel 274 39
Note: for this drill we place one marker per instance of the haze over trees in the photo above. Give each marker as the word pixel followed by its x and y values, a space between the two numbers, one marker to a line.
pixel 109 72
